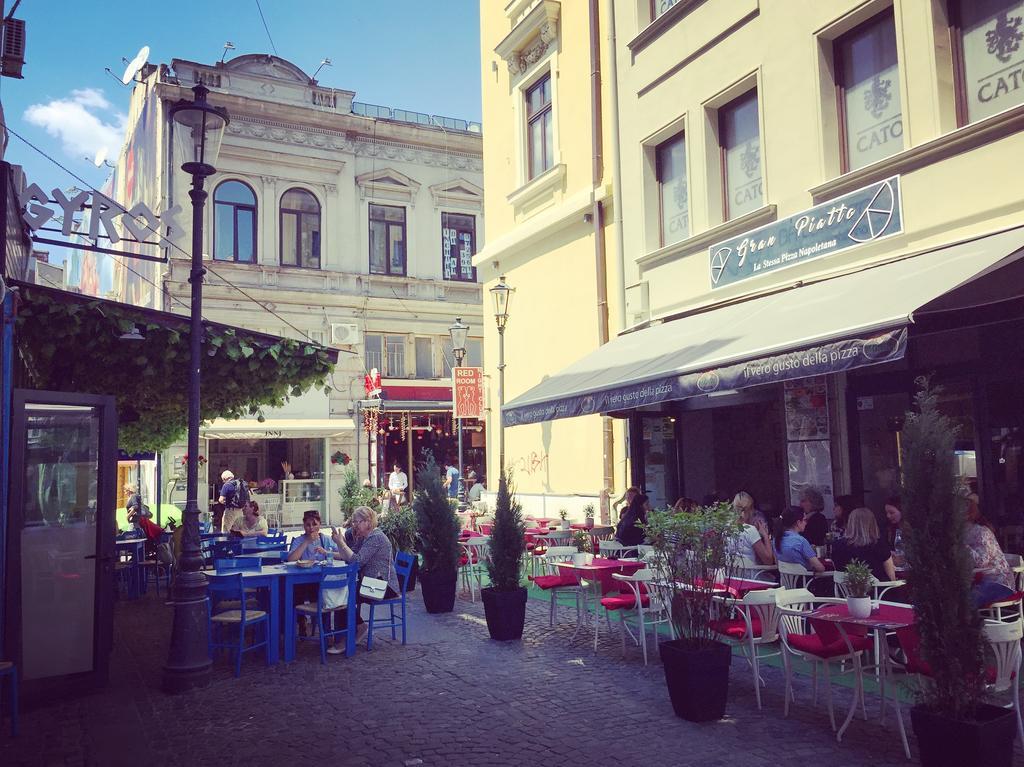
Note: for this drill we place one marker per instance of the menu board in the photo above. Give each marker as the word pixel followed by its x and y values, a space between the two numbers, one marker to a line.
pixel 806 409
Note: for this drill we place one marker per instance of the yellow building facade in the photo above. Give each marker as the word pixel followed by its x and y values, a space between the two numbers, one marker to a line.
pixel 819 204
pixel 551 233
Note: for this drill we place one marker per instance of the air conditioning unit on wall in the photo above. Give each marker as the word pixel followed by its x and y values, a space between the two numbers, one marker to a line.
pixel 344 334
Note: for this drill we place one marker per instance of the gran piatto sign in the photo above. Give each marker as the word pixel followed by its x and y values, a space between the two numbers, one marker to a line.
pixel 866 215
pixel 106 220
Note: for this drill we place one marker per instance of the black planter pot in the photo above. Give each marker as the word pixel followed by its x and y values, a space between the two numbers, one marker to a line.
pixel 697 679
pixel 438 590
pixel 945 742
pixel 505 612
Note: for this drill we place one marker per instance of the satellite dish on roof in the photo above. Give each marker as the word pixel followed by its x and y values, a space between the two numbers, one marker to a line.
pixel 135 65
pixel 101 156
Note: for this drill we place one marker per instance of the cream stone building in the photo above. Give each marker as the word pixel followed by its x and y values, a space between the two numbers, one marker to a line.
pixel 551 233
pixel 345 223
pixel 820 202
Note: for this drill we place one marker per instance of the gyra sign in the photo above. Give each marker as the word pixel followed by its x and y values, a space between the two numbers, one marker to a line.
pixel 867 215
pixel 143 224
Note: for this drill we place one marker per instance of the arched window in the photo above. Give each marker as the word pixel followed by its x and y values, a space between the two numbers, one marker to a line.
pixel 234 222
pixel 300 229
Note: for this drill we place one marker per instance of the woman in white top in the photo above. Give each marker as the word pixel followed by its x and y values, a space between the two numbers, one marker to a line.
pixel 753 541
pixel 251 523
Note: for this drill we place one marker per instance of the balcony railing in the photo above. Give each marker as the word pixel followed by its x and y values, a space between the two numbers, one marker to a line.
pixel 416 118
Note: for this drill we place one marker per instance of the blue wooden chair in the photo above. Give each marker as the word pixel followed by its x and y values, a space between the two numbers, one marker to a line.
pixel 325 609
pixel 224 549
pixel 403 566
pixel 239 563
pixel 276 537
pixel 9 670
pixel 161 566
pixel 221 621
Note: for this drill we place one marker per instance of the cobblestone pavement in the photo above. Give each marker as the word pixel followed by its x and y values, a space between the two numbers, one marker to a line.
pixel 449 697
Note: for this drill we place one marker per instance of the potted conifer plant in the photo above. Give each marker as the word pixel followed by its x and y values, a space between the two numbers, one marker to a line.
pixel 505 599
pixel 858 589
pixel 693 551
pixel 952 723
pixel 437 532
pixel 399 525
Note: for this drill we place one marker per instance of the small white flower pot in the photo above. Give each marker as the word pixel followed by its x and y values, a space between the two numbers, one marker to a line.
pixel 565 524
pixel 859 607
pixel 582 558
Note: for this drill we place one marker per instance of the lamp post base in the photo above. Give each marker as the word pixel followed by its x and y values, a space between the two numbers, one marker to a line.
pixel 188 663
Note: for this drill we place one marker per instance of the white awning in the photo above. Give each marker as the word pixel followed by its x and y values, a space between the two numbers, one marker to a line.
pixel 834 324
pixel 279 428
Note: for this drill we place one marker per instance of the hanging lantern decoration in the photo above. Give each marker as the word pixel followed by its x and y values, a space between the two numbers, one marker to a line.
pixel 370 419
pixel 403 426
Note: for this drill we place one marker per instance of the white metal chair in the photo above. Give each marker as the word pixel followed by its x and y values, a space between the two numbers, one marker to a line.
pixel 800 639
pixel 556 582
pixel 793 576
pixel 1004 641
pixel 475 551
pixel 757 626
pixel 651 608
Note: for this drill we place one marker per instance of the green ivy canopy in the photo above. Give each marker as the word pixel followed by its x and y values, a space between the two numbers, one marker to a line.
pixel 69 342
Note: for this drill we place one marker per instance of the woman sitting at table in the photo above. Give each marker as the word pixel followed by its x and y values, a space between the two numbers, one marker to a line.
pixel 311 545
pixel 791 546
pixel 372 550
pixel 996 582
pixel 627 532
pixel 625 500
pixel 250 524
pixel 753 542
pixel 862 540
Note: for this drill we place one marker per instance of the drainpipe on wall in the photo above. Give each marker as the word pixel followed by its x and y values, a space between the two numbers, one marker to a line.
pixel 597 220
pixel 616 168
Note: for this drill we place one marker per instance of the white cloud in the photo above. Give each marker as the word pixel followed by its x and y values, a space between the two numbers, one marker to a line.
pixel 80 123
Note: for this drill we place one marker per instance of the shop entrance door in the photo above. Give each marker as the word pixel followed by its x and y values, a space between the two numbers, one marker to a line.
pixel 59 575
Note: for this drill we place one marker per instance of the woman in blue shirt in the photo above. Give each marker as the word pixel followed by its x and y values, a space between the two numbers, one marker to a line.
pixel 791 546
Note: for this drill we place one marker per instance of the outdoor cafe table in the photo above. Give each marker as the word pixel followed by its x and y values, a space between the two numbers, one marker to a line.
pixel 287 576
pixel 597 573
pixel 883 619
pixel 136 549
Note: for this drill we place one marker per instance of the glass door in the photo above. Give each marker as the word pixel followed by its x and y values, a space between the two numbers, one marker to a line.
pixel 61 536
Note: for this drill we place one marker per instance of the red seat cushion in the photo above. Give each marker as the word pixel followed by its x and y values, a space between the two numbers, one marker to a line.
pixel 554 581
pixel 736 628
pixel 812 644
pixel 624 602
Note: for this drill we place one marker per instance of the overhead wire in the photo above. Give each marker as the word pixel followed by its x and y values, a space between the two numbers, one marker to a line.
pixel 169 243
pixel 264 20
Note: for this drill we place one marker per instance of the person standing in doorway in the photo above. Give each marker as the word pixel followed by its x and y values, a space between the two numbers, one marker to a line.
pixel 451 478
pixel 398 484
pixel 234 494
pixel 134 502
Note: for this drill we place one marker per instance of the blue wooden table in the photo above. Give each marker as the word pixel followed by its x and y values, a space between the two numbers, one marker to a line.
pixel 289 575
pixel 136 549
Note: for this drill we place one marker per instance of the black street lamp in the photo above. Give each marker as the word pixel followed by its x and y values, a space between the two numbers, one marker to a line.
pixel 502 295
pixel 198 131
pixel 458 332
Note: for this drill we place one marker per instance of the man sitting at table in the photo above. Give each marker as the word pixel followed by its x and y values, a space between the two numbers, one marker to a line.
pixel 250 524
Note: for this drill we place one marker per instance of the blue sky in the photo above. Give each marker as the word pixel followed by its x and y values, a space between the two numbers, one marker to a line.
pixel 418 55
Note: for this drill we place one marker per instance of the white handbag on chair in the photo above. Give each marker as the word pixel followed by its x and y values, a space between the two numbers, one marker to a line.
pixel 373 588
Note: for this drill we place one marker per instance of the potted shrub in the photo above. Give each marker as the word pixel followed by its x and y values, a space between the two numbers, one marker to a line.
pixel 952 724
pixel 437 533
pixel 858 589
pixel 354 493
pixel 584 548
pixel 693 551
pixel 399 525
pixel 588 515
pixel 505 599
pixel 564 516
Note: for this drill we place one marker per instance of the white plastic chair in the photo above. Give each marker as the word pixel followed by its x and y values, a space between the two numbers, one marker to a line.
pixel 1004 640
pixel 793 576
pixel 794 604
pixel 654 613
pixel 1016 563
pixel 561 582
pixel 749 568
pixel 756 606
pixel 477 552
